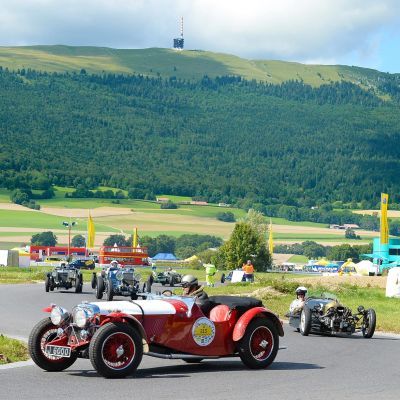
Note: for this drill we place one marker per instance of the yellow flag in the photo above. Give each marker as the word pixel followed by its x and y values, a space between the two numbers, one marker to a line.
pixel 384 220
pixel 270 239
pixel 91 233
pixel 135 238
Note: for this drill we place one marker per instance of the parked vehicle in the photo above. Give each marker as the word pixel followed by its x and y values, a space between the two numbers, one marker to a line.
pixel 326 314
pixel 82 264
pixel 116 335
pixel 54 260
pixel 116 281
pixel 239 273
pixel 64 277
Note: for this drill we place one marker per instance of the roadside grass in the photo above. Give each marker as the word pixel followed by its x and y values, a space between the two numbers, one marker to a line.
pixel 276 290
pixel 12 350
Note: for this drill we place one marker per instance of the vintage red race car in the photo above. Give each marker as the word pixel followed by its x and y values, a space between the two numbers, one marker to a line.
pixel 114 335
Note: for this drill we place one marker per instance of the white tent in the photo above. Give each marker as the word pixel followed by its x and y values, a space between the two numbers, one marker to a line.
pixel 366 268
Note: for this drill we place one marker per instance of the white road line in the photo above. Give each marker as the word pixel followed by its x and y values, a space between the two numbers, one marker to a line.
pixel 18 364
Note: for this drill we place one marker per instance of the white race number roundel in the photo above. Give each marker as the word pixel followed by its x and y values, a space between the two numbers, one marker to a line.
pixel 203 331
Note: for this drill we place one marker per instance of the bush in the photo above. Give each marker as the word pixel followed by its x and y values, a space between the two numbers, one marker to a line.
pixel 227 216
pixel 168 206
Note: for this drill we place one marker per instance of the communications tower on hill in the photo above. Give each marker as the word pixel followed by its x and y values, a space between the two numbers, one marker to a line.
pixel 179 42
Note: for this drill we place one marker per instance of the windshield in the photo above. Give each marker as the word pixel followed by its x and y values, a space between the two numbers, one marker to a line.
pixel 324 295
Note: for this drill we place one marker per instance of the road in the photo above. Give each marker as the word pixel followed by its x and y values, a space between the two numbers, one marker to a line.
pixel 313 367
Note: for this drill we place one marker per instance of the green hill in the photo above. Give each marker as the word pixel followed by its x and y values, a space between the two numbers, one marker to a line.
pixel 185 123
pixel 187 64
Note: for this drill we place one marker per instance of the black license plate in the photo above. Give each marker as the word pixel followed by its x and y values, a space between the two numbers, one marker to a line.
pixel 58 351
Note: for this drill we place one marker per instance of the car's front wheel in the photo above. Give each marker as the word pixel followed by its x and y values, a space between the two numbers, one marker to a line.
pixel 109 291
pixel 43 333
pixel 94 280
pixel 305 321
pixel 369 325
pixel 47 284
pixel 78 284
pixel 116 350
pixel 99 287
pixel 260 344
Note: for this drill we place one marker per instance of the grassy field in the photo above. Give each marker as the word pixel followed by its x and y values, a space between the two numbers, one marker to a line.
pixel 187 64
pixel 298 259
pixel 40 220
pixel 12 350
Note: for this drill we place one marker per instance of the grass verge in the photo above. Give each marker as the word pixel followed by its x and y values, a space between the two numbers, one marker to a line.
pixel 12 350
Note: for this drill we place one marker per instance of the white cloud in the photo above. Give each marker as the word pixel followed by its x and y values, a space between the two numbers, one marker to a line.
pixel 301 30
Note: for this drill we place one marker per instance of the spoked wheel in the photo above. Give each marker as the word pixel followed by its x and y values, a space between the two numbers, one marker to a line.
pixel 116 350
pixel 260 344
pixel 43 333
pixel 369 324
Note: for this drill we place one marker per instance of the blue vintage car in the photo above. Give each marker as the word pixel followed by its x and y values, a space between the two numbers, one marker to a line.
pixel 117 281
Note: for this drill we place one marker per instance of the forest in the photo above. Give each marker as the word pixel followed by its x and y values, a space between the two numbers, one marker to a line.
pixel 223 139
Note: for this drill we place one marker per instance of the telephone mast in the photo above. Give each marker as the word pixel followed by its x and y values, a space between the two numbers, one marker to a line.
pixel 179 42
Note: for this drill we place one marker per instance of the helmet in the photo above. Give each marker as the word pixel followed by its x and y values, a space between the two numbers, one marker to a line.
pixel 301 290
pixel 189 280
pixel 114 262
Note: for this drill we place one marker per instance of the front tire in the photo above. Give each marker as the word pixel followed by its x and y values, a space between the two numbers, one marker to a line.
pixel 109 291
pixel 369 325
pixel 47 284
pixel 78 284
pixel 94 280
pixel 42 333
pixel 116 350
pixel 305 321
pixel 260 343
pixel 99 287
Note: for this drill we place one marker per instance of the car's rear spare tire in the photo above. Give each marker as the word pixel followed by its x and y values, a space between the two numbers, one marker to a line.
pixel 116 350
pixel 42 333
pixel 260 343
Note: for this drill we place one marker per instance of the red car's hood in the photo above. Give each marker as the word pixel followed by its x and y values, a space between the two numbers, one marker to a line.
pixel 148 307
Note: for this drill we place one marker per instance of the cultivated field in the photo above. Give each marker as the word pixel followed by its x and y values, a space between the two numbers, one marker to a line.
pixel 18 224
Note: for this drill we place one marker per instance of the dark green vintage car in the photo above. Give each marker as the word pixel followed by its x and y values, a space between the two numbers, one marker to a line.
pixel 326 315
pixel 168 277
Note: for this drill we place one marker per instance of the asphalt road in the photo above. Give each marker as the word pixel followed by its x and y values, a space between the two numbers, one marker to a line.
pixel 313 367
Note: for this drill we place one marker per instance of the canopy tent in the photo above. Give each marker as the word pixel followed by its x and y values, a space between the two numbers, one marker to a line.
pixel 164 257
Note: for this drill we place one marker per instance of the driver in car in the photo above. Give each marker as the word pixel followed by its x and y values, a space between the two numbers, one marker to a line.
pixel 191 287
pixel 297 305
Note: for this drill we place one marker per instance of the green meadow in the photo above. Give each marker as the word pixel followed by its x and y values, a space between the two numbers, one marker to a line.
pixel 186 64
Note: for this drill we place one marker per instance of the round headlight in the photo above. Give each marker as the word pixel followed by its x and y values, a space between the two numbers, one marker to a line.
pixel 81 317
pixel 119 275
pixel 58 315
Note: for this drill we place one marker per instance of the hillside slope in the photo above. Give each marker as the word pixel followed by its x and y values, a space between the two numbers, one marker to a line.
pixel 224 139
pixel 187 64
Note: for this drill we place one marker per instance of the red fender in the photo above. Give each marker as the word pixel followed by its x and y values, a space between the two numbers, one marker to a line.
pixel 245 319
pixel 48 309
pixel 129 319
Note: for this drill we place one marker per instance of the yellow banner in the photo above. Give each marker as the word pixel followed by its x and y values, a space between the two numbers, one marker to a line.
pixel 135 240
pixel 91 233
pixel 384 219
pixel 270 239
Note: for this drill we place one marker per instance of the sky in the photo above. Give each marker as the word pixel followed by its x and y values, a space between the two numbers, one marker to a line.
pixel 351 32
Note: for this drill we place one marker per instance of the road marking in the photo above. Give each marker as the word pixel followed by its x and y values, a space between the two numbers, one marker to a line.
pixel 18 364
